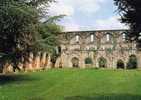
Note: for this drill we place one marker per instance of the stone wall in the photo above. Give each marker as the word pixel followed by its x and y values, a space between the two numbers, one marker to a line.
pixel 111 45
pixel 76 47
pixel 34 62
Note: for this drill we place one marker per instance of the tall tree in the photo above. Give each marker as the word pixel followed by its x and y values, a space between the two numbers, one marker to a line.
pixel 19 28
pixel 130 15
pixel 50 40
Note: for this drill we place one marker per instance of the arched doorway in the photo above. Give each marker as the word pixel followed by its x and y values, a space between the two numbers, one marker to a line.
pixel 88 62
pixel 120 64
pixel 75 62
pixel 102 62
pixel 132 62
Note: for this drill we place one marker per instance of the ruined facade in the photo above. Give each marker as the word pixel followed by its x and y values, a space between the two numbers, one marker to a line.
pixel 95 49
pixel 87 49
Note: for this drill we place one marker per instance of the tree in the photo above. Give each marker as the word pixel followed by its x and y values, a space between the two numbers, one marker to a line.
pixel 49 33
pixel 18 24
pixel 130 15
pixel 19 29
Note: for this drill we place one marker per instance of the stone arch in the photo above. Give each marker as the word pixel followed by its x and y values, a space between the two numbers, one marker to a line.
pixel 120 64
pixel 102 62
pixel 75 62
pixel 88 62
pixel 132 62
pixel 59 49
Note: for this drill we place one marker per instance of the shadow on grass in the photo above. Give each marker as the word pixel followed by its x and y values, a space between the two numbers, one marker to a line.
pixel 13 78
pixel 106 97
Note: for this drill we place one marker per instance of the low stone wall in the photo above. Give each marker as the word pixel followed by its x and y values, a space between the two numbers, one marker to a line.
pixel 39 61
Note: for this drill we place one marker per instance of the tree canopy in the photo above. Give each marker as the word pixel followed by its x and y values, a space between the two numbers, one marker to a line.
pixel 130 15
pixel 21 29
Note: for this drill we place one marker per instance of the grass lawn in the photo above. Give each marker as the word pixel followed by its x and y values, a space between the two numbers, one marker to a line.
pixel 72 84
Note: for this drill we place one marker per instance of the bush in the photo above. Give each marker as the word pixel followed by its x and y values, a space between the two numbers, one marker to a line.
pixel 120 64
pixel 102 62
pixel 132 63
pixel 88 61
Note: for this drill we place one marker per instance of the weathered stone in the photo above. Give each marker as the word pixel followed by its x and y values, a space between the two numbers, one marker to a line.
pixel 109 44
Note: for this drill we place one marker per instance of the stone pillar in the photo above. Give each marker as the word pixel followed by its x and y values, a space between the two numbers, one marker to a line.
pixel 7 68
pixel 43 59
pixel 81 61
pixel 49 61
pixel 46 61
pixel 30 62
pixel 97 63
pixel 139 59
pixel 38 61
pixel 20 65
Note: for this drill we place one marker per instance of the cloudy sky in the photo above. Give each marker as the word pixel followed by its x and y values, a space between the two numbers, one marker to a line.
pixel 87 14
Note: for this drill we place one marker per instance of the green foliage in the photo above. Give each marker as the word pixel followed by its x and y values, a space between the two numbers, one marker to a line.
pixel 130 15
pixel 21 30
pixel 102 62
pixel 132 63
pixel 88 61
pixel 18 29
pixel 109 50
pixel 49 38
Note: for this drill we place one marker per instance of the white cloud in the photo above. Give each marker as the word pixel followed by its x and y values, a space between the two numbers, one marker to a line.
pixel 89 6
pixel 70 25
pixel 60 8
pixel 69 7
pixel 81 7
pixel 110 23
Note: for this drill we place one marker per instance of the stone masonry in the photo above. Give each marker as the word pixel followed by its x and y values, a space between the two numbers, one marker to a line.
pixel 111 45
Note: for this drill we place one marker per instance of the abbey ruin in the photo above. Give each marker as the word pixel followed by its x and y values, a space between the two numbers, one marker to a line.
pixel 96 49
pixel 87 49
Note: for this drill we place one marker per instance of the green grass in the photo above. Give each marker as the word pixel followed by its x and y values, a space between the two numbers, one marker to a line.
pixel 72 84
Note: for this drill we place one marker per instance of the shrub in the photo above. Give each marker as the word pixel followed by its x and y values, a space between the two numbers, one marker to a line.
pixel 88 61
pixel 132 63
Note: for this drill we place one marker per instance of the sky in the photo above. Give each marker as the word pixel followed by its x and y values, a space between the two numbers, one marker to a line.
pixel 83 15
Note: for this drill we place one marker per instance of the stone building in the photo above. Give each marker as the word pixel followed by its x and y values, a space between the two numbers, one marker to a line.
pixel 94 49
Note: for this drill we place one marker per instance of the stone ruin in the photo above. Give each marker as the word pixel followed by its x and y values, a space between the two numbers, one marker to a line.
pixel 87 49
pixel 96 49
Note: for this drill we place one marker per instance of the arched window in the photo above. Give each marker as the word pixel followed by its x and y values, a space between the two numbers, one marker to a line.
pixel 75 62
pixel 107 37
pixel 88 61
pixel 102 62
pixel 77 38
pixel 139 38
pixel 123 36
pixel 120 64
pixel 92 37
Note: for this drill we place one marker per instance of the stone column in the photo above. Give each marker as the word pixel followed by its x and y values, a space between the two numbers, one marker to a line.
pixel 30 67
pixel 43 59
pixel 7 68
pixel 81 61
pixel 139 59
pixel 37 60
pixel 49 61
